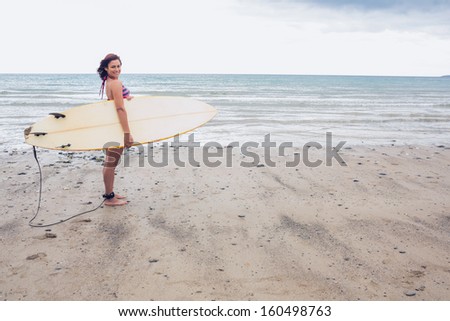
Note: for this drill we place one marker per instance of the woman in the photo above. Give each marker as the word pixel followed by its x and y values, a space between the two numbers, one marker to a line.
pixel 109 71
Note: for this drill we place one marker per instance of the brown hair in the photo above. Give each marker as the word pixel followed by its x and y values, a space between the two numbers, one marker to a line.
pixel 104 63
pixel 102 72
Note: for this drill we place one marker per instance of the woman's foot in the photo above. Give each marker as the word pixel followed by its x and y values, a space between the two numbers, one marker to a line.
pixel 120 197
pixel 115 201
pixel 112 199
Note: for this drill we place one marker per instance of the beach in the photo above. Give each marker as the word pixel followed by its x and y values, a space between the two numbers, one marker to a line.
pixel 374 229
pixel 370 222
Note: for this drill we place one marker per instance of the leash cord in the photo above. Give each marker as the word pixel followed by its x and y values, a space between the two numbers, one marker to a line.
pixel 30 223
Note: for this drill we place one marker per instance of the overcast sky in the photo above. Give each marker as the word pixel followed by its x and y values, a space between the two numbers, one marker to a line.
pixel 324 37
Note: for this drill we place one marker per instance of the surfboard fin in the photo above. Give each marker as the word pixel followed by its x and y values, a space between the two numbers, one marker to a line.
pixel 39 134
pixel 58 115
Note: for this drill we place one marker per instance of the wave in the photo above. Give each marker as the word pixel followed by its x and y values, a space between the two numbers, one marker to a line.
pixel 28 104
pixel 363 106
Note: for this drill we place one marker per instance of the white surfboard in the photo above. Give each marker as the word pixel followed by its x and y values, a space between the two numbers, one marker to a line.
pixel 90 127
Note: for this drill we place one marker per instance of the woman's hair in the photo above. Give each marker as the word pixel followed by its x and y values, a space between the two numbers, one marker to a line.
pixel 102 72
pixel 104 63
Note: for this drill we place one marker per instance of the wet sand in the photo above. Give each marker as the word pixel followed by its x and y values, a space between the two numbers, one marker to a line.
pixel 376 229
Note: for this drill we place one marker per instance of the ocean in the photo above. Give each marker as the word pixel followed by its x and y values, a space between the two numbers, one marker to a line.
pixel 291 108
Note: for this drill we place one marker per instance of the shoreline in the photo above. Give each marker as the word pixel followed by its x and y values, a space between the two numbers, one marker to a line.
pixel 376 229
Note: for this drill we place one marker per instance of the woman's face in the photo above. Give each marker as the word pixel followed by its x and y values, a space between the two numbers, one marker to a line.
pixel 114 68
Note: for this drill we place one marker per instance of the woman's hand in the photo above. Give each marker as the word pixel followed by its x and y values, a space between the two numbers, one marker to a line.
pixel 129 97
pixel 128 140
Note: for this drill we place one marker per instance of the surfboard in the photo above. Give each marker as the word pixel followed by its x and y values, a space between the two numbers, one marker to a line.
pixel 96 126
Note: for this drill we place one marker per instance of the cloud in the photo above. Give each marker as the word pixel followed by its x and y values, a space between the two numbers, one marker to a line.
pixel 424 16
pixel 369 5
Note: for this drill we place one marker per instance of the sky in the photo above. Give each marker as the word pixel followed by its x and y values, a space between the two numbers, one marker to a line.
pixel 315 37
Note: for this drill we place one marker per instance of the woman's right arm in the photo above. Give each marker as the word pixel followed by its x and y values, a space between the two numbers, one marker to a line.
pixel 116 89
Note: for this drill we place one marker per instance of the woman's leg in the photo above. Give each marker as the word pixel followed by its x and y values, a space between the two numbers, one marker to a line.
pixel 111 161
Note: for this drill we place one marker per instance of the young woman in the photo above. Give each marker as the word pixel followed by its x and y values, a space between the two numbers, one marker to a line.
pixel 109 71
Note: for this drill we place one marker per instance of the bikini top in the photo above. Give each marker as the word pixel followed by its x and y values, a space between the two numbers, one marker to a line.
pixel 125 91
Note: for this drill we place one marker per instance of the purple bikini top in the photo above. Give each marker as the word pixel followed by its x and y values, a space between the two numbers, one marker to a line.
pixel 125 91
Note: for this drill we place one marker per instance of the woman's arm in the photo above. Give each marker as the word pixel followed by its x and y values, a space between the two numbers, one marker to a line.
pixel 116 89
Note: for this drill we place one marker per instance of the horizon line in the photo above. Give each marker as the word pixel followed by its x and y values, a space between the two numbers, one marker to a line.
pixel 223 74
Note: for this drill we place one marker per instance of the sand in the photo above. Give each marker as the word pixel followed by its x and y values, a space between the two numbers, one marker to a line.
pixel 376 229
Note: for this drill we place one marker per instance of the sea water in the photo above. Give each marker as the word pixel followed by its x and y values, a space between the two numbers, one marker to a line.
pixel 291 108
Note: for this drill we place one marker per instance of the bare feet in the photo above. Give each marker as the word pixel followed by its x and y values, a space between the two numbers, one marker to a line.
pixel 115 201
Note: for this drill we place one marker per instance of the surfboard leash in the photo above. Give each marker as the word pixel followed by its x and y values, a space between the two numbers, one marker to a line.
pixel 30 223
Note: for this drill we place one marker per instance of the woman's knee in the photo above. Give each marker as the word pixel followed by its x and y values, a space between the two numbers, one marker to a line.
pixel 113 157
